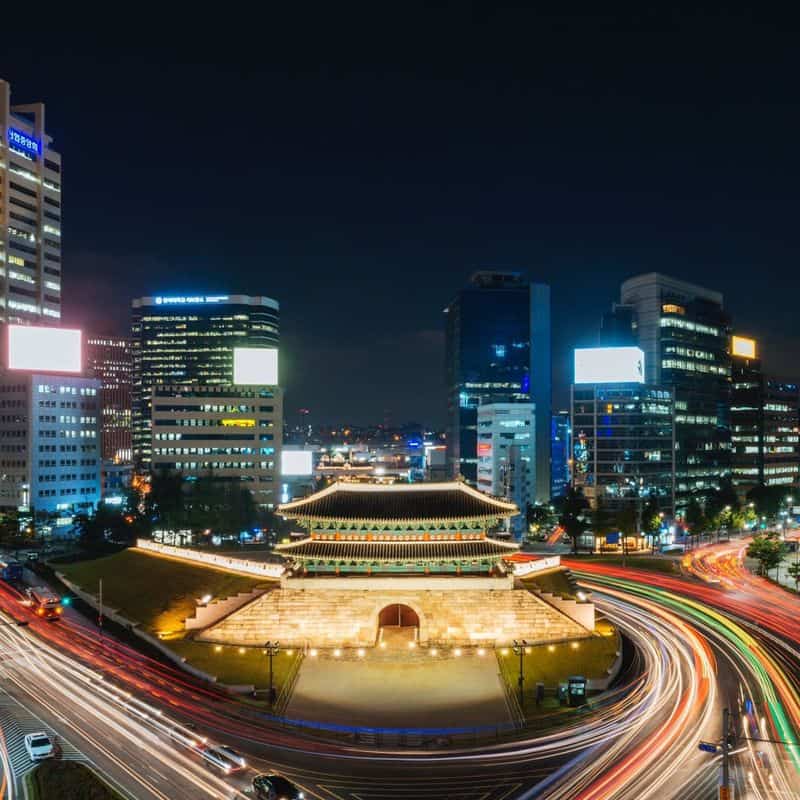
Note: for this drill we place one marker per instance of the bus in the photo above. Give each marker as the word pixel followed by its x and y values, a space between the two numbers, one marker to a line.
pixel 43 602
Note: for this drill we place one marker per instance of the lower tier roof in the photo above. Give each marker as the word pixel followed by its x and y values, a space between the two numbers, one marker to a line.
pixel 396 551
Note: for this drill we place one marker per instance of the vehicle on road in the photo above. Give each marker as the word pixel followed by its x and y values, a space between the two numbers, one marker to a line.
pixel 187 735
pixel 232 754
pixel 217 759
pixel 43 602
pixel 39 745
pixel 275 787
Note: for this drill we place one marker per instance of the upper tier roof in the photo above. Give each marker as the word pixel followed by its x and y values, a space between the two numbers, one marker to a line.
pixel 399 502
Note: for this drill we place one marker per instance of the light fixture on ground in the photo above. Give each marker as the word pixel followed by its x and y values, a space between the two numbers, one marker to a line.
pixel 520 648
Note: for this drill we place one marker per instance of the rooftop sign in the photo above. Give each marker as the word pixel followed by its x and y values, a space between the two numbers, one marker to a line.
pixel 184 299
pixel 743 347
pixel 21 140
pixel 609 365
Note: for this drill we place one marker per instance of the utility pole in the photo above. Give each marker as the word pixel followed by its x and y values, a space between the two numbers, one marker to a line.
pixel 725 788
pixel 100 608
pixel 272 649
pixel 519 650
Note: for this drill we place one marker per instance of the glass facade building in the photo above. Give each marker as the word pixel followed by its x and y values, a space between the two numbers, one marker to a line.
pixel 765 414
pixel 189 341
pixel 109 358
pixel 623 438
pixel 684 332
pixel 498 351
pixel 560 435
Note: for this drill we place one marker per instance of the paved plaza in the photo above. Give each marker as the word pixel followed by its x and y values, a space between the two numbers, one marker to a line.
pixel 405 692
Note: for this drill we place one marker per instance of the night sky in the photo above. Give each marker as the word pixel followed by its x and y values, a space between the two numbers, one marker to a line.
pixel 357 165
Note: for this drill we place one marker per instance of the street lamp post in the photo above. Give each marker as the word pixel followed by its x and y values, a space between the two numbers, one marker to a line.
pixel 519 650
pixel 271 649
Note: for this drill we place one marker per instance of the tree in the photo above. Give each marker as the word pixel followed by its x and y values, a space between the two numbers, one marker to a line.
pixel 794 572
pixel 768 500
pixel 165 500
pixel 540 518
pixel 573 505
pixel 768 550
pixel 651 520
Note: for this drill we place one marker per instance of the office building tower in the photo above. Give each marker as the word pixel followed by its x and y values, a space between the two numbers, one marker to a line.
pixel 233 433
pixel 506 456
pixel 498 351
pixel 109 358
pixel 764 422
pixel 623 431
pixel 30 214
pixel 49 443
pixel 191 341
pixel 560 449
pixel 684 333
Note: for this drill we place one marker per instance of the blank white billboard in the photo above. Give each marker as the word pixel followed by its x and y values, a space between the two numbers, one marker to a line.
pixel 296 462
pixel 255 366
pixel 609 365
pixel 44 349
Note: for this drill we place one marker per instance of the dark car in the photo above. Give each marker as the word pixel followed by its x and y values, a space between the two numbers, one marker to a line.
pixel 275 787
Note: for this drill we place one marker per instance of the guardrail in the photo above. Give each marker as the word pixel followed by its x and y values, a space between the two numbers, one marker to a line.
pixel 259 569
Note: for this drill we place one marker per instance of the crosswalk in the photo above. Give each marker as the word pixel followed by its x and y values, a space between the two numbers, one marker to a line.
pixel 15 722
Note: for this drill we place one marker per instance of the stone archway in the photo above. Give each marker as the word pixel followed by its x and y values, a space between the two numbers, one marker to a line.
pixel 398 615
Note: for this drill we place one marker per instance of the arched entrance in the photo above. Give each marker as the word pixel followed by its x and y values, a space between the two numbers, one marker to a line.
pixel 398 626
pixel 398 615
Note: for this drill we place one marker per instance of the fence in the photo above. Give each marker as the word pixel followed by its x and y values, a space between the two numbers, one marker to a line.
pixel 217 560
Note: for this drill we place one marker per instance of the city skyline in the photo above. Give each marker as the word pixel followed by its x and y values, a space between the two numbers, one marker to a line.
pixel 331 218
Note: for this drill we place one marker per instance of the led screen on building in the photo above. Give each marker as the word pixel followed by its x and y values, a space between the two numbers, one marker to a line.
pixel 296 462
pixel 609 365
pixel 744 347
pixel 44 349
pixel 255 366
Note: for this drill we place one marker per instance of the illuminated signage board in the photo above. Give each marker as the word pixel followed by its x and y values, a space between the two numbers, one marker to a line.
pixel 296 462
pixel 23 141
pixel 185 299
pixel 44 349
pixel 609 365
pixel 238 423
pixel 744 347
pixel 255 366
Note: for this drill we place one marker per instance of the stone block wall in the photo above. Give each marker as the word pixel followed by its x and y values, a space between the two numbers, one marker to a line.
pixel 349 618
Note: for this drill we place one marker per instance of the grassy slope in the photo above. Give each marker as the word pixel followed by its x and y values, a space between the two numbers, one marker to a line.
pixel 157 592
pixel 68 780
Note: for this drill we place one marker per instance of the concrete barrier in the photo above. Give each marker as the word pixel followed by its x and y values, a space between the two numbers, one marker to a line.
pixel 241 566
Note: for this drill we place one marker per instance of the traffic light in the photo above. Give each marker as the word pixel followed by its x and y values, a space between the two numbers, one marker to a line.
pixel 66 601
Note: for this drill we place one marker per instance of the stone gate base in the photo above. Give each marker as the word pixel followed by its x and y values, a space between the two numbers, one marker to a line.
pixel 343 612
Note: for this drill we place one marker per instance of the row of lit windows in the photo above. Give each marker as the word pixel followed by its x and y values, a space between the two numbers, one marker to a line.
pixel 692 366
pixel 689 325
pixel 83 391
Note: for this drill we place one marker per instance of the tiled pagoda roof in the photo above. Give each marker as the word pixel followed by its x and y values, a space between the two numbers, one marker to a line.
pixel 399 502
pixel 396 551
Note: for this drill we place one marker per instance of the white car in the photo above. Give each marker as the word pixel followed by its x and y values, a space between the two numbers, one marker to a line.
pixel 39 745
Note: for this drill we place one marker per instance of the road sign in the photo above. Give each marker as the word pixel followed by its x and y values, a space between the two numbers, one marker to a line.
pixel 707 747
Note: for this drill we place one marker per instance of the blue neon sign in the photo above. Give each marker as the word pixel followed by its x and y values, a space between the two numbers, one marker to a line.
pixel 182 300
pixel 23 141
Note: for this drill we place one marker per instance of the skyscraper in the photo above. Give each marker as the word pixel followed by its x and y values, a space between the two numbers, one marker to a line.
pixel 30 214
pixel 190 341
pixel 109 358
pixel 684 332
pixel 560 438
pixel 498 351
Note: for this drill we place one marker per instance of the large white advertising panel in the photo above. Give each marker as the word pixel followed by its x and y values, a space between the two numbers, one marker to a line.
pixel 44 349
pixel 609 365
pixel 296 462
pixel 256 366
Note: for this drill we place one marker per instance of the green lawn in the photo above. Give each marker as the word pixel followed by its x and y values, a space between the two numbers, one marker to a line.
pixel 555 581
pixel 160 593
pixel 665 564
pixel 554 663
pixel 67 780
pixel 236 665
